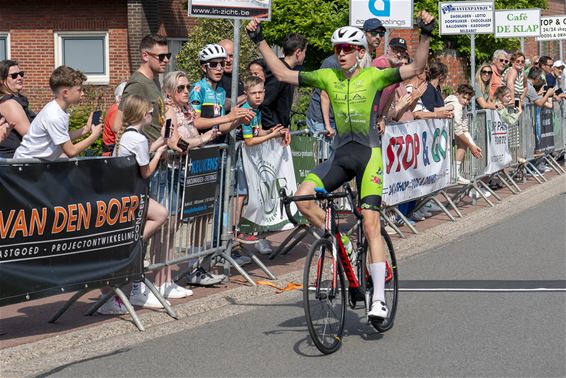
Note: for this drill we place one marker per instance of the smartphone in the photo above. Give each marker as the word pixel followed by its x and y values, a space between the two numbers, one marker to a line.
pixel 96 117
pixel 517 102
pixel 546 87
pixel 167 128
pixel 558 91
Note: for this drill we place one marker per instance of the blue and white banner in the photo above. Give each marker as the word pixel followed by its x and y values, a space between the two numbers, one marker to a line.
pixel 416 159
pixel 498 154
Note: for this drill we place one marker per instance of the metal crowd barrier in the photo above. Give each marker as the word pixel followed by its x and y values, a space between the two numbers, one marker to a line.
pixel 202 239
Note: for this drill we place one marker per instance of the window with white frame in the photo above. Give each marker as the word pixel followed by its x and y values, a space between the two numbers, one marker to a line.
pixel 175 45
pixel 4 46
pixel 85 51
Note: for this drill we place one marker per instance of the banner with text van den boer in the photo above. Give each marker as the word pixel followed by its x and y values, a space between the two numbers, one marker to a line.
pixel 498 154
pixel 68 225
pixel 416 159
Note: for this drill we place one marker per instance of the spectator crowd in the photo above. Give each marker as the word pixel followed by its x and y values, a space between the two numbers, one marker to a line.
pixel 201 113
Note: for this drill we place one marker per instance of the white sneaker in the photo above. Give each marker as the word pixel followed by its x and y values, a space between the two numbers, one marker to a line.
pixel 146 300
pixel 263 247
pixel 171 290
pixel 475 195
pixel 114 306
pixel 462 181
pixel 378 310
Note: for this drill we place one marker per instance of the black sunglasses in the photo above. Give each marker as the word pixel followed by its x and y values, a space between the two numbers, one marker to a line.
pixel 487 72
pixel 503 61
pixel 161 57
pixel 375 33
pixel 16 74
pixel 182 87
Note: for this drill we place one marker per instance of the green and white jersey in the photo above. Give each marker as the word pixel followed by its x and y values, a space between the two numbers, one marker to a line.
pixel 355 101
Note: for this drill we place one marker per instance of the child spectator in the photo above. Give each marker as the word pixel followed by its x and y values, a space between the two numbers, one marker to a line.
pixel 253 134
pixel 48 136
pixel 137 112
pixel 507 112
pixel 464 141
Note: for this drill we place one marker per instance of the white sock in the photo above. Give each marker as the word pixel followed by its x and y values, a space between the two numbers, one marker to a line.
pixel 378 276
pixel 458 165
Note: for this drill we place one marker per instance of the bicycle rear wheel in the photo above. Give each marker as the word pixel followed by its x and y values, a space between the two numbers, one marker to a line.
pixel 324 295
pixel 391 285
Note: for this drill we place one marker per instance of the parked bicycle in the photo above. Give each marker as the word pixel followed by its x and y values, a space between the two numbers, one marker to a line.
pixel 329 264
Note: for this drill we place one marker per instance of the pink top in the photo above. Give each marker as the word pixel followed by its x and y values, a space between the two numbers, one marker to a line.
pixel 382 62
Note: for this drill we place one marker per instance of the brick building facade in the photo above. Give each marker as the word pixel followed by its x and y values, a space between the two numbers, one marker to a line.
pixel 33 33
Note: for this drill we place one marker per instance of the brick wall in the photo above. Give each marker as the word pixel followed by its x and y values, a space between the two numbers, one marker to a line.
pixel 33 22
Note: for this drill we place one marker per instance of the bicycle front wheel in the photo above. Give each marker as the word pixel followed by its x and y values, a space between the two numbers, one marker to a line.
pixel 324 295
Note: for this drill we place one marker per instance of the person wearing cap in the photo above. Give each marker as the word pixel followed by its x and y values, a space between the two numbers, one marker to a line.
pixel 374 31
pixel 554 77
pixel 392 58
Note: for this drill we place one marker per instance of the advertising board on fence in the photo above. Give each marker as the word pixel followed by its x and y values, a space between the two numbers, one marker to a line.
pixel 544 130
pixel 244 9
pixel 69 225
pixel 201 182
pixel 466 17
pixel 498 154
pixel 268 167
pixel 552 28
pixel 416 159
pixel 392 13
pixel 517 23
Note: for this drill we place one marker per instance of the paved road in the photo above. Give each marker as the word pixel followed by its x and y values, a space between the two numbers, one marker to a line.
pixel 436 333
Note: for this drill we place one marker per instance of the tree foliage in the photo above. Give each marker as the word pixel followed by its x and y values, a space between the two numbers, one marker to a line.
pixel 212 30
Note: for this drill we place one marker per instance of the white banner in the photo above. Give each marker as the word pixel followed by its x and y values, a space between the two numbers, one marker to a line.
pixel 498 155
pixel 268 167
pixel 552 28
pixel 517 23
pixel 416 159
pixel 392 13
pixel 465 17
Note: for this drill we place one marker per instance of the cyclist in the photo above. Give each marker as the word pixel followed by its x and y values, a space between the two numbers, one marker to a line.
pixel 355 95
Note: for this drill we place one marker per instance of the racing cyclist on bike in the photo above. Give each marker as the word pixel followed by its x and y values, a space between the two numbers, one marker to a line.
pixel 354 94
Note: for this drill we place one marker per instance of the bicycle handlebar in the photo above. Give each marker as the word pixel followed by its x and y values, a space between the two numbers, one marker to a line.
pixel 319 195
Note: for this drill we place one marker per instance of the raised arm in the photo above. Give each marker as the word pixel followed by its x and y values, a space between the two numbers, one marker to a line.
pixel 426 24
pixel 278 69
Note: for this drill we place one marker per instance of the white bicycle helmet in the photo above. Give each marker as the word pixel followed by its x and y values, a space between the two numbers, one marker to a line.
pixel 212 51
pixel 351 35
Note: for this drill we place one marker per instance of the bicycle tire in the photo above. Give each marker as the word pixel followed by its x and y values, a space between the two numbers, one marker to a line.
pixel 391 285
pixel 325 306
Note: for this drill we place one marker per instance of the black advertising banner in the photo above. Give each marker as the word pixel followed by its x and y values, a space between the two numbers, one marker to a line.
pixel 68 225
pixel 201 182
pixel 544 131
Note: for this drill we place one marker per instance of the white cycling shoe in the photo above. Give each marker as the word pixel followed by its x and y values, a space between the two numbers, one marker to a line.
pixel 379 310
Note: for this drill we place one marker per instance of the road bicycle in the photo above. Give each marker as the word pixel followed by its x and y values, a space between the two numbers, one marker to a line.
pixel 328 265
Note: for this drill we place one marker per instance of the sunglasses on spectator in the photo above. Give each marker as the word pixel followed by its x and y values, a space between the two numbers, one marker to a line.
pixel 216 65
pixel 506 61
pixel 160 57
pixel 16 74
pixel 487 72
pixel 375 33
pixel 345 48
pixel 520 61
pixel 182 87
